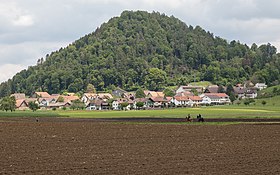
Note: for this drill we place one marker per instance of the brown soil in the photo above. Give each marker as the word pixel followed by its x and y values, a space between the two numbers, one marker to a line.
pixel 66 146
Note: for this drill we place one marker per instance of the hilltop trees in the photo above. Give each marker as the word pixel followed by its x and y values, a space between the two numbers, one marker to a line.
pixel 155 79
pixel 149 50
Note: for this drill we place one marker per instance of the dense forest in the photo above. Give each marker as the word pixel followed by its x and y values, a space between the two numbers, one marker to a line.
pixel 148 50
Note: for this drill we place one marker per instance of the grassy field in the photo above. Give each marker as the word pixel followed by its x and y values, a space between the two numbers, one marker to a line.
pixel 207 112
pixel 255 110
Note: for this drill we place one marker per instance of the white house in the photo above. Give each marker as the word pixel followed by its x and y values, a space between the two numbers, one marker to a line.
pixel 180 101
pixel 116 104
pixel 145 101
pixel 251 93
pixel 215 98
pixel 87 97
pixel 94 105
pixel 239 92
pixel 260 86
pixel 195 100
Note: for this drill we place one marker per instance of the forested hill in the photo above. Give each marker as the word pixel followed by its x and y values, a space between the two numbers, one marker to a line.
pixel 150 50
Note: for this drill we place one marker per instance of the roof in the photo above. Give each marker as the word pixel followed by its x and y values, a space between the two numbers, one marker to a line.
pixel 213 96
pixel 154 94
pixel 179 98
pixel 100 95
pixel 43 94
pixel 216 95
pixel 124 100
pixel 118 92
pixel 20 102
pixel 239 90
pixel 221 95
pixel 158 99
pixel 186 93
pixel 18 96
pixel 97 102
pixel 141 100
pixel 146 92
pixel 70 98
pixel 30 99
pixel 70 94
pixel 168 98
pixel 129 94
pixel 250 91
pixel 88 95
pixel 105 95
pixel 59 104
pixel 195 98
pixel 212 89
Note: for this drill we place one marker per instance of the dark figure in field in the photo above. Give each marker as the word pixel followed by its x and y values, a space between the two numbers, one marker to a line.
pixel 200 118
pixel 37 120
pixel 188 118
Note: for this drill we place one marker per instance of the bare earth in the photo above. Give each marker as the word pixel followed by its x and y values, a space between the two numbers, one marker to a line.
pixel 61 146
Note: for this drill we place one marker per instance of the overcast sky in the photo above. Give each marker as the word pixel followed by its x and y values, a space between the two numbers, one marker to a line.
pixel 30 29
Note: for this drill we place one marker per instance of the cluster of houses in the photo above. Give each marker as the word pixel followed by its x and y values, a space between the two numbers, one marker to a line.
pixel 184 97
pixel 45 100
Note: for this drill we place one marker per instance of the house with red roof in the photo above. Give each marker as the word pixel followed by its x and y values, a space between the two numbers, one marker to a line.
pixel 195 100
pixel 40 95
pixel 21 104
pixel 180 101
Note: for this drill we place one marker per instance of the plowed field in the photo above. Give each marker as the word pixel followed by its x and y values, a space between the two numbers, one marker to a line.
pixel 82 147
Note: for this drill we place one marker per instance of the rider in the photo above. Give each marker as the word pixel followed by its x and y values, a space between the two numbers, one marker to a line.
pixel 189 118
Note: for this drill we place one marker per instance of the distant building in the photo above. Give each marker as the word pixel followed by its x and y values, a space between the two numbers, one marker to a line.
pixel 118 92
pixel 18 96
pixel 260 86
pixel 251 93
pixel 41 95
pixel 21 104
pixel 215 98
pixel 189 88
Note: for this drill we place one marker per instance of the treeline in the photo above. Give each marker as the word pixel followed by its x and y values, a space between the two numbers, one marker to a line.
pixel 148 50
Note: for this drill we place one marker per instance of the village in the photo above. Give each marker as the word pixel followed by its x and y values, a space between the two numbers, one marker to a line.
pixel 121 100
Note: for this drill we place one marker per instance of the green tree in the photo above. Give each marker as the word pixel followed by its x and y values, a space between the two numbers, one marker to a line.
pixel 33 106
pixel 221 89
pixel 140 93
pixel 124 105
pixel 77 104
pixel 60 99
pixel 90 88
pixel 168 92
pixel 248 101
pixel 8 103
pixel 155 79
pixel 232 97
pixel 229 90
pixel 139 105
pixel 194 91
pixel 263 102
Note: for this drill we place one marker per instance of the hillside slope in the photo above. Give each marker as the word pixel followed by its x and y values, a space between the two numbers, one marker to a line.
pixel 150 50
